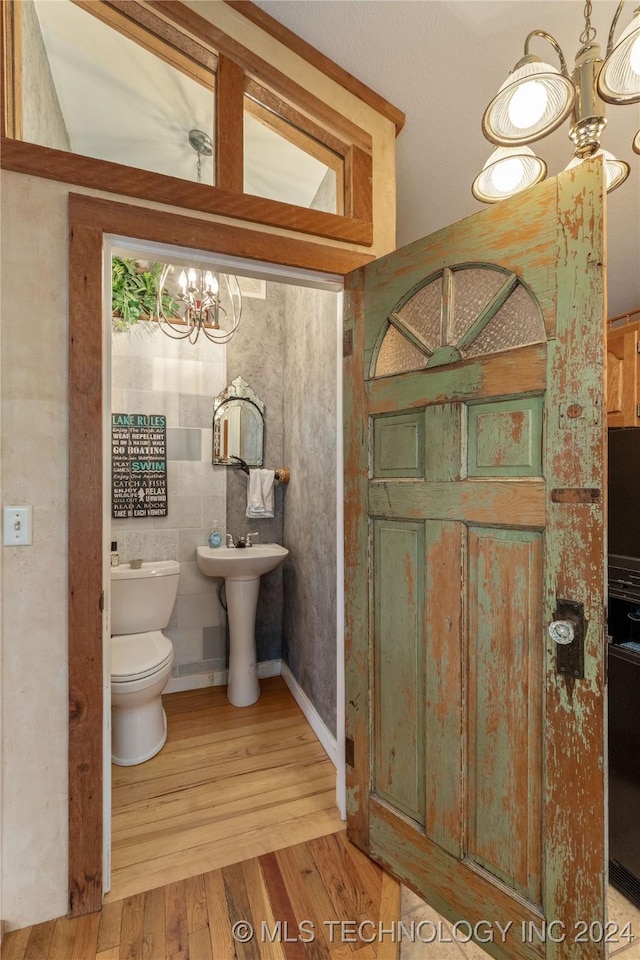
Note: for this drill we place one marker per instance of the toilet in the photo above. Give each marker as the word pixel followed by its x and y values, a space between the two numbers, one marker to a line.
pixel 142 601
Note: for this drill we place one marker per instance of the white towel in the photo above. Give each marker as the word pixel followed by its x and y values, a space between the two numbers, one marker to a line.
pixel 260 493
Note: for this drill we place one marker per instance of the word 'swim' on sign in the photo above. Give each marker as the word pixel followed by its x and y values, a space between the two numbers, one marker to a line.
pixel 138 465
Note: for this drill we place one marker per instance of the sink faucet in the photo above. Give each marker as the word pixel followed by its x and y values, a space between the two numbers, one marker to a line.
pixel 242 542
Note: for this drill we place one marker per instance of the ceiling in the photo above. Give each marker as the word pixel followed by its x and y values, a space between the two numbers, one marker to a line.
pixel 441 61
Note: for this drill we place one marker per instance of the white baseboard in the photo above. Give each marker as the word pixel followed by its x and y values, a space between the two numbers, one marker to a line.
pixel 312 716
pixel 217 678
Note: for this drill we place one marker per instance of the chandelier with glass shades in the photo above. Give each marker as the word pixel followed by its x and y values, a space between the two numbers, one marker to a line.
pixel 199 301
pixel 537 97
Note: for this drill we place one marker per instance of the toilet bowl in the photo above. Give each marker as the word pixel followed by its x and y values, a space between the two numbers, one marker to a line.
pixel 142 601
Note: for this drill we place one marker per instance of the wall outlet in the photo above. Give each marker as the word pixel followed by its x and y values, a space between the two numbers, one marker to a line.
pixel 17 526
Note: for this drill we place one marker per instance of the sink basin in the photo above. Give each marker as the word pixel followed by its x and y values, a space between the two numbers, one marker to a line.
pixel 247 563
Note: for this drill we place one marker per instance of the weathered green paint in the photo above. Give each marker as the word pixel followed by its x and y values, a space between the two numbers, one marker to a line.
pixel 472 501
pixel 575 748
pixel 505 438
pixel 398 445
pixel 444 457
pixel 398 760
pixel 488 312
pixel 505 679
pixel 550 237
pixel 492 376
pixel 444 747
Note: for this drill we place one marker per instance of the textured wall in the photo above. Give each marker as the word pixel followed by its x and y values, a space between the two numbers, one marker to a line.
pixel 34 578
pixel 153 374
pixel 42 118
pixel 309 627
pixel 256 353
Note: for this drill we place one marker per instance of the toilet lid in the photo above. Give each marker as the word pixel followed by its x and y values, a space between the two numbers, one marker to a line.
pixel 139 654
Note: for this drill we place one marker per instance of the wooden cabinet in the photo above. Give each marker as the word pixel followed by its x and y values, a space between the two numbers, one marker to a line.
pixel 623 370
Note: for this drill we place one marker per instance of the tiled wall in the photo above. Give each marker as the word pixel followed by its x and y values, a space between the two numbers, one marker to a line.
pixel 153 374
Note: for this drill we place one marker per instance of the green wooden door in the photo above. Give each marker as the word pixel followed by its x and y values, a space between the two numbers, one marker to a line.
pixel 474 504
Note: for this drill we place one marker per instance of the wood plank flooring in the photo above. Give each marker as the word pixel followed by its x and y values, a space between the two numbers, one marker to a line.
pixel 344 899
pixel 230 783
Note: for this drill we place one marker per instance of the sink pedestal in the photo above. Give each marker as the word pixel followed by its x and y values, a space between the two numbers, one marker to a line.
pixel 241 569
pixel 243 688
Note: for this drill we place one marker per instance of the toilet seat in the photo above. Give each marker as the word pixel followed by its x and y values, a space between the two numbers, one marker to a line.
pixel 135 656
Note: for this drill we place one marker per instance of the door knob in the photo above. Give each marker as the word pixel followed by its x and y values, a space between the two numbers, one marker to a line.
pixel 562 631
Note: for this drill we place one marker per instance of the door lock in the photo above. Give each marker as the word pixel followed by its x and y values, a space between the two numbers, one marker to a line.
pixel 568 631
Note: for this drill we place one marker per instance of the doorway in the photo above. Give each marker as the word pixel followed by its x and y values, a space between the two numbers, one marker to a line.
pixel 91 220
pixel 286 349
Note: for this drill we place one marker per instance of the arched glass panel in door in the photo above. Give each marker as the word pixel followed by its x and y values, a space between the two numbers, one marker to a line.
pixel 462 312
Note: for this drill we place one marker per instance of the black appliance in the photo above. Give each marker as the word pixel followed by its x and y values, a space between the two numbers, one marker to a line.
pixel 623 622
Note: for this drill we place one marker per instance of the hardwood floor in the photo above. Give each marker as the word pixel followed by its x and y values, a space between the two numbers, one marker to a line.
pixel 230 783
pixel 344 899
pixel 235 820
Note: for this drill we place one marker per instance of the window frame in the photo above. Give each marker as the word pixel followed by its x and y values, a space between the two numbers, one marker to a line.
pixel 192 44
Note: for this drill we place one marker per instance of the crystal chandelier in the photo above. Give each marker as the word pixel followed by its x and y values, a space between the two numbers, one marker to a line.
pixel 537 97
pixel 200 302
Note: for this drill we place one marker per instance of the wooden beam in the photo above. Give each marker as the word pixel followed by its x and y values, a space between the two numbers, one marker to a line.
pixel 230 126
pixel 97 174
pixel 86 599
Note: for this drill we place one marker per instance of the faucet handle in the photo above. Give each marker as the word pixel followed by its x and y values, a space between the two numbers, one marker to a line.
pixel 249 538
pixel 230 540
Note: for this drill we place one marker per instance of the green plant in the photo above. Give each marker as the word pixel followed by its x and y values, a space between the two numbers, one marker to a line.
pixel 134 292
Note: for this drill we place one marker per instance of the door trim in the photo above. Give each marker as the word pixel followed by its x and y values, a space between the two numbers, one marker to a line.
pixel 90 219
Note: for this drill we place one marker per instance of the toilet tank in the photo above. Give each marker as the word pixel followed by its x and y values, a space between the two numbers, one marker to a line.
pixel 143 599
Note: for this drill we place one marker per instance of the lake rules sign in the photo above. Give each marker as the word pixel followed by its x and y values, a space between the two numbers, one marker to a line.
pixel 138 465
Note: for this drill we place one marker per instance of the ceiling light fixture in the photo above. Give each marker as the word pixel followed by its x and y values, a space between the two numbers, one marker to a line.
pixel 537 97
pixel 199 301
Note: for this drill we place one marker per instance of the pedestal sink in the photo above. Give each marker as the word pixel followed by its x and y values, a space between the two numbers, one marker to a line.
pixel 241 569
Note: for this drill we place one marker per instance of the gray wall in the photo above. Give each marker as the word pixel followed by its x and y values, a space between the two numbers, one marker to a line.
pixel 256 354
pixel 309 624
pixel 42 118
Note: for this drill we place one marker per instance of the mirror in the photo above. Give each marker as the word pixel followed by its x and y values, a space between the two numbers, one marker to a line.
pixel 238 425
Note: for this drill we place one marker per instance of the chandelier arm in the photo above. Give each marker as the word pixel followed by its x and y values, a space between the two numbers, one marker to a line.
pixel 554 43
pixel 614 24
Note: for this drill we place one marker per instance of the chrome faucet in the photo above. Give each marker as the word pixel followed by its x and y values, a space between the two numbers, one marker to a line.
pixel 241 542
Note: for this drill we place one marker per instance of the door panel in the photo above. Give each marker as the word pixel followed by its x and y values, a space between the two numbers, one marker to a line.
pixel 399 665
pixel 505 669
pixel 479 768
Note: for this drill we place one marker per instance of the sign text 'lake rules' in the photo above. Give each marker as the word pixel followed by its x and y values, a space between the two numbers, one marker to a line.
pixel 138 465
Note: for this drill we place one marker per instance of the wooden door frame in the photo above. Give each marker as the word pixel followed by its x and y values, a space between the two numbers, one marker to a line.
pixel 90 219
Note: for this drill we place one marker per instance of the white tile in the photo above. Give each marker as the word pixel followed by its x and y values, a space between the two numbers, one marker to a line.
pixel 177 376
pixel 187 645
pixel 199 610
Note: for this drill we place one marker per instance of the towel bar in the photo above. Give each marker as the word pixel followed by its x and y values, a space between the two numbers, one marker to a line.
pixel 282 473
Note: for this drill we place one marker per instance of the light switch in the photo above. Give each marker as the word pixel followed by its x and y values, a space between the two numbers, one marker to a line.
pixel 17 526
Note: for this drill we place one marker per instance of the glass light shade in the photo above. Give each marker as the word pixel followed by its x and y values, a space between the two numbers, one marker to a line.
pixel 636 142
pixel 615 171
pixel 533 101
pixel 619 78
pixel 507 171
